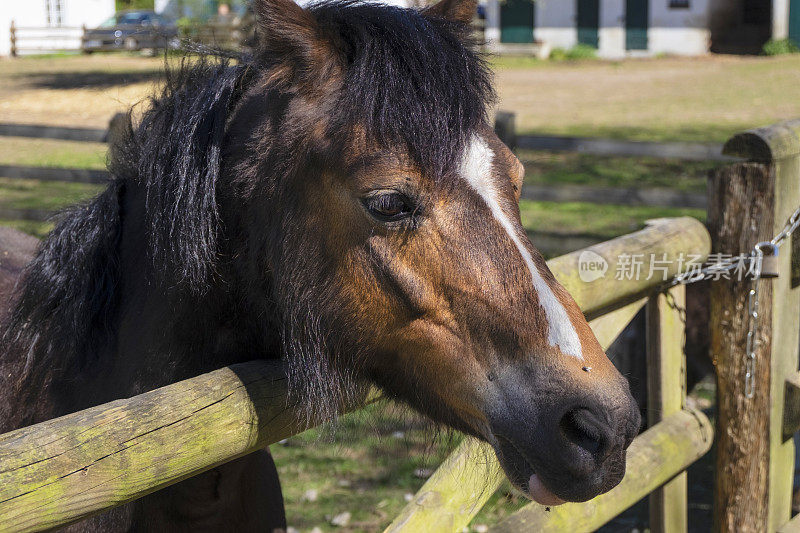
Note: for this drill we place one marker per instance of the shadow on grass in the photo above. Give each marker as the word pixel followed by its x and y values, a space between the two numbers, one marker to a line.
pixel 89 80
pixel 700 133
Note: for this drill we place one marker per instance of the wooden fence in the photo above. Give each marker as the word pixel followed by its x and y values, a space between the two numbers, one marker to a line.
pixel 62 470
pixel 234 35
pixel 68 468
pixel 45 39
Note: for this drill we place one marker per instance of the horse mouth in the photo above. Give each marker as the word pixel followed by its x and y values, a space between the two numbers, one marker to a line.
pixel 522 475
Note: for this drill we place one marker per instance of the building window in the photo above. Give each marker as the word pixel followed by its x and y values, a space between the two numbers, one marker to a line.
pixel 679 4
pixel 54 11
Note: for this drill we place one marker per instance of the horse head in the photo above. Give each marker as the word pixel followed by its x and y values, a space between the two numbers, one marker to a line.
pixel 394 250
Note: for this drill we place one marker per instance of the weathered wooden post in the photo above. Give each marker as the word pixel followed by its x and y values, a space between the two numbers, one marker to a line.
pixel 750 202
pixel 13 33
pixel 666 392
pixel 505 127
pixel 117 127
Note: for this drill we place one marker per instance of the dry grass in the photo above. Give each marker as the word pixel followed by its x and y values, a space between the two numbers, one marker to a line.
pixel 75 90
pixel 702 99
pixel 671 98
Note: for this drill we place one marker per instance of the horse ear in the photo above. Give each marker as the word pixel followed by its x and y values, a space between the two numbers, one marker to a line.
pixel 462 11
pixel 287 32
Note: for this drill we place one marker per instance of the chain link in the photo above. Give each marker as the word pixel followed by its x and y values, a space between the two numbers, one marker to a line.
pixel 754 260
pixel 715 270
pixel 788 229
pixel 752 328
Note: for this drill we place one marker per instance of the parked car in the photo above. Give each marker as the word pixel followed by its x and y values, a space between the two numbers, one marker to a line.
pixel 132 30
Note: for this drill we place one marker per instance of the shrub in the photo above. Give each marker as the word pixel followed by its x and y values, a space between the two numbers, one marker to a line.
pixel 558 54
pixel 581 51
pixel 779 47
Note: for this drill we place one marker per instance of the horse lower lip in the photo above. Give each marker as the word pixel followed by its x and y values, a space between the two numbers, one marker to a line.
pixel 539 493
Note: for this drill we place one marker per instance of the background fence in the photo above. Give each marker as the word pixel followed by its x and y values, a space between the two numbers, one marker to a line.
pixel 33 40
pixel 504 126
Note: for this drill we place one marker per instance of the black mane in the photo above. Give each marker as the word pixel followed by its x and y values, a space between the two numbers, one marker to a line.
pixel 409 80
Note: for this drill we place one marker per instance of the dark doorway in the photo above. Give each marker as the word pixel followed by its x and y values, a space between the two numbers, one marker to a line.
pixel 741 26
pixel 794 21
pixel 637 15
pixel 516 21
pixel 589 22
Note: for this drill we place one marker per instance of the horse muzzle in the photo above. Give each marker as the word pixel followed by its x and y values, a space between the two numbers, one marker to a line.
pixel 572 451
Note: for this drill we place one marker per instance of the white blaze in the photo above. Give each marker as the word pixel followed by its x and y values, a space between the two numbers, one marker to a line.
pixel 476 168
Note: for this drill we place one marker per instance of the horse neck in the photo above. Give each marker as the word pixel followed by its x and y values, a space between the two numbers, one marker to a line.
pixel 167 331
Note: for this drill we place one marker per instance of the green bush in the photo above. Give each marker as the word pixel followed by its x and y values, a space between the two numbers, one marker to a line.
pixel 558 54
pixel 779 47
pixel 581 51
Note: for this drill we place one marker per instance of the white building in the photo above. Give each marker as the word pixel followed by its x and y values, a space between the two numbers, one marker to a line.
pixel 642 27
pixel 51 18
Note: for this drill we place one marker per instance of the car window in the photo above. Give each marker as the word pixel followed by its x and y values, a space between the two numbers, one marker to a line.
pixel 132 18
pixel 109 22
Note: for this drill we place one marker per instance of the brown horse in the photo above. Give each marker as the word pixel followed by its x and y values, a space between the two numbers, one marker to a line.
pixel 337 200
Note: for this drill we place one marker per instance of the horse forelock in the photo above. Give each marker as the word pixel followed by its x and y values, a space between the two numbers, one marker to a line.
pixel 411 81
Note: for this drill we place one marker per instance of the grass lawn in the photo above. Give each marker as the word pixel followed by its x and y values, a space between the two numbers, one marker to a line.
pixel 50 195
pixel 546 168
pixel 74 90
pixel 401 450
pixel 31 227
pixel 52 153
pixel 602 222
pixel 703 99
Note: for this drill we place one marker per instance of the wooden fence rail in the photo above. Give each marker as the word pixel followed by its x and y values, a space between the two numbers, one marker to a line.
pixel 57 38
pixel 38 131
pixel 64 469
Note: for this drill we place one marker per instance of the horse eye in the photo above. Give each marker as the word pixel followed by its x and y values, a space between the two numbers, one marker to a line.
pixel 388 207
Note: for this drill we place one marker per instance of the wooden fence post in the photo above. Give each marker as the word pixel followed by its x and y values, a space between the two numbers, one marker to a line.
pixel 13 33
pixel 666 392
pixel 505 128
pixel 750 202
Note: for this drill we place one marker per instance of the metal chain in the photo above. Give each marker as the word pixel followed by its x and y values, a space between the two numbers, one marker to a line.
pixel 752 327
pixel 788 228
pixel 755 261
pixel 715 270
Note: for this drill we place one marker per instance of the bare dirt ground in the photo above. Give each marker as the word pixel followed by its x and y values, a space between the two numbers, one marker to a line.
pixel 669 98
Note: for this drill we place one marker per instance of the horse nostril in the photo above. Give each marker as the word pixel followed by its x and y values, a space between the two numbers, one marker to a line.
pixel 584 430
